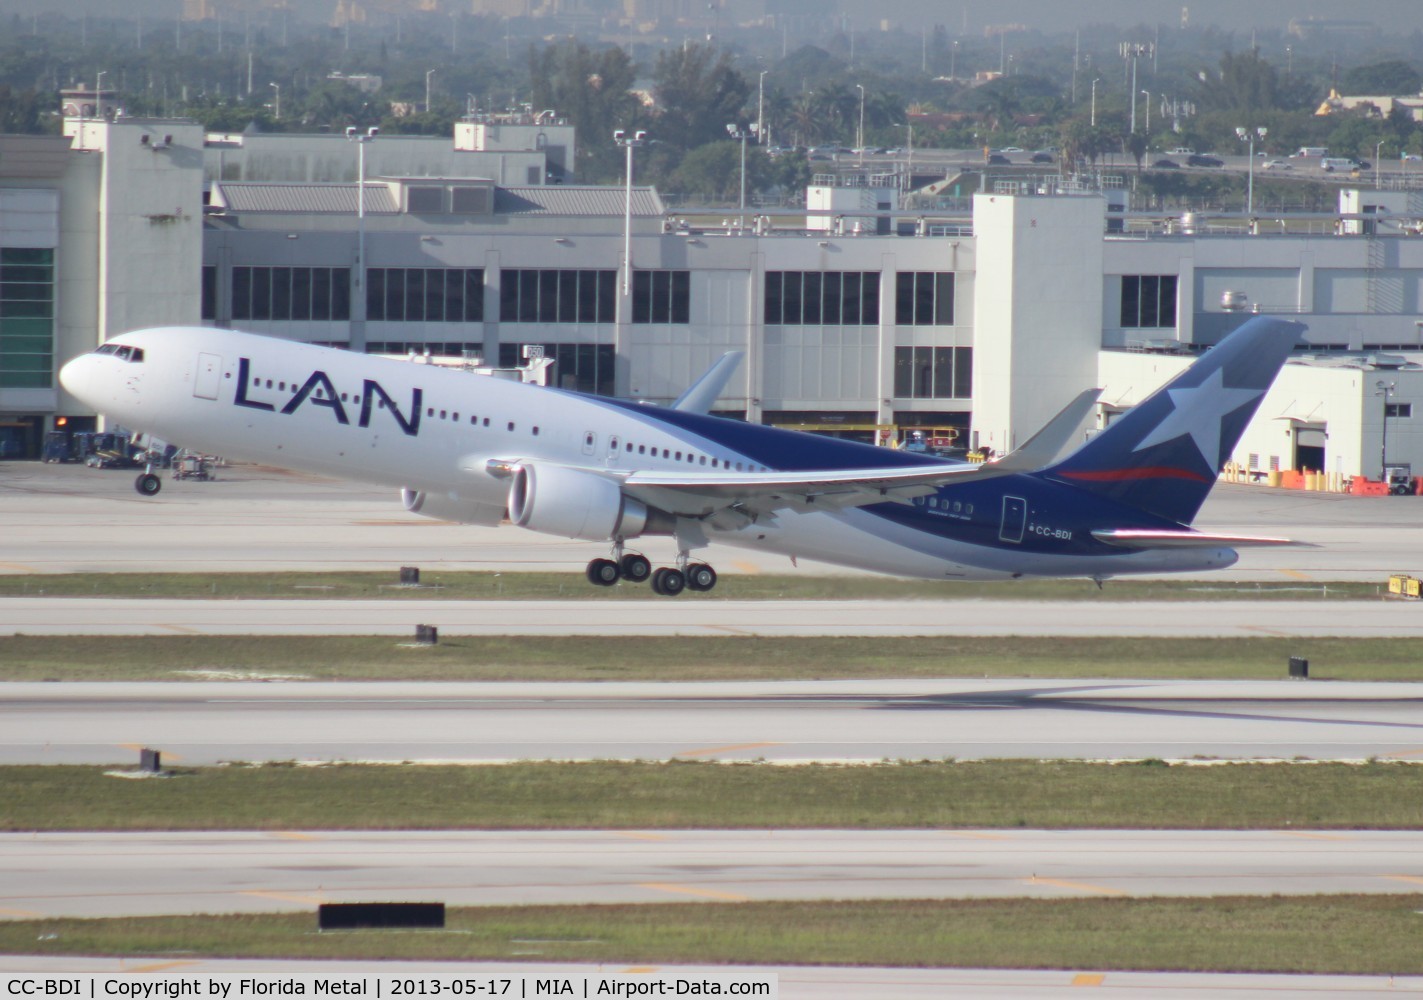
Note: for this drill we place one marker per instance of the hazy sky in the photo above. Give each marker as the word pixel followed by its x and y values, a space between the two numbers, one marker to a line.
pixel 1398 17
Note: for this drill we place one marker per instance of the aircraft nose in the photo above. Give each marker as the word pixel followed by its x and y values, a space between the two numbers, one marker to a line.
pixel 78 378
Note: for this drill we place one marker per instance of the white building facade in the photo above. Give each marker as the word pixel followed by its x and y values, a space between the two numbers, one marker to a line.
pixel 986 321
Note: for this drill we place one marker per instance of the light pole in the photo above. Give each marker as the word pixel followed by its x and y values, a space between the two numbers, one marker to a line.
pixel 1094 101
pixel 860 135
pixel 428 73
pixel 1147 95
pixel 953 60
pixel 1383 390
pixel 354 135
pixel 761 103
pixel 1378 147
pixel 628 142
pixel 742 134
pixel 277 104
pixel 1246 135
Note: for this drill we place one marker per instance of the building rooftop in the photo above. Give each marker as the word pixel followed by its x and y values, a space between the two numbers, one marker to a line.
pixel 576 199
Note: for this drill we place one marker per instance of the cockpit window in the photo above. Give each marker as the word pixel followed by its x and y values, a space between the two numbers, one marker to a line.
pixel 123 352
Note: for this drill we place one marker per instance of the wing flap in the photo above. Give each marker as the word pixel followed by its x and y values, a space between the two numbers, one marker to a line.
pixel 753 493
pixel 1154 538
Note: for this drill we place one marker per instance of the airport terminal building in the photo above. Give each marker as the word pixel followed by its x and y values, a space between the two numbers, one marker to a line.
pixel 986 318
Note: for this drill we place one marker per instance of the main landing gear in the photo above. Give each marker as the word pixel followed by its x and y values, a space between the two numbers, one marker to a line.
pixel 666 581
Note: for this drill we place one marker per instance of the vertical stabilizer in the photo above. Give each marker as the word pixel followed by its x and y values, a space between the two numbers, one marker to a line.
pixel 1164 454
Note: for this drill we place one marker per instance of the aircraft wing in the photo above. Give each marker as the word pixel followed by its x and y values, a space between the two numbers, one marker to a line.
pixel 1139 538
pixel 745 495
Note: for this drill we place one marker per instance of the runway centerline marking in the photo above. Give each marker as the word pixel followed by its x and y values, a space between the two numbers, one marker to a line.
pixel 285 897
pixel 1316 836
pixel 704 751
pixel 691 890
pixel 1405 878
pixel 975 835
pixel 1061 883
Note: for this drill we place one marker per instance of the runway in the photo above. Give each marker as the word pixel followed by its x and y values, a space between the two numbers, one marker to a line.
pixel 690 616
pixel 67 518
pixel 118 874
pixel 853 721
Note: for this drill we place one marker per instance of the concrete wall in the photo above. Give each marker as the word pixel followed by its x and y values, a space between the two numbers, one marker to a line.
pixel 1038 310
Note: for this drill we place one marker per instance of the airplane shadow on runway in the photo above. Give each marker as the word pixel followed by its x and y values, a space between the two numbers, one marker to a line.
pixel 1029 698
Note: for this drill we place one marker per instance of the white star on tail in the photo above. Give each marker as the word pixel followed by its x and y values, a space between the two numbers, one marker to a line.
pixel 1198 411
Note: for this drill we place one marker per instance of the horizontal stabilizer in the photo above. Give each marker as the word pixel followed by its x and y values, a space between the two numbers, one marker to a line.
pixel 1043 447
pixel 702 394
pixel 1154 538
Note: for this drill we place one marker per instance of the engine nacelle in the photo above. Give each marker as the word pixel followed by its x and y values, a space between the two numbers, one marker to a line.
pixel 574 504
pixel 451 507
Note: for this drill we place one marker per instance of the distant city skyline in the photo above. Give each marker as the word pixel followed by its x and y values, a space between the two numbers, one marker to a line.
pixel 1400 17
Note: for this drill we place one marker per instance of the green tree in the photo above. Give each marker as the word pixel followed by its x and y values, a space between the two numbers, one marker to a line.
pixel 23 111
pixel 1385 79
pixel 699 92
pixel 1245 83
pixel 594 91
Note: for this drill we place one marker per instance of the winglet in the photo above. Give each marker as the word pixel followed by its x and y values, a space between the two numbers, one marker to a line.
pixel 1043 447
pixel 701 395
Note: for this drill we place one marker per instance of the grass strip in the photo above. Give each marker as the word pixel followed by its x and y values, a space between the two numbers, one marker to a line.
pixel 704 795
pixel 546 586
pixel 1345 934
pixel 729 658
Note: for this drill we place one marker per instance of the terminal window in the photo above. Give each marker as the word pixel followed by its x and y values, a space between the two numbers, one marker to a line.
pixel 933 372
pixel 425 294
pixel 662 297
pixel 547 295
pixel 822 298
pixel 924 298
pixel 1148 300
pixel 579 367
pixel 26 318
pixel 285 293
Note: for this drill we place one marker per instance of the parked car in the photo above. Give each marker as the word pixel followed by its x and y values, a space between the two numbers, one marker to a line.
pixel 1165 164
pixel 1011 149
pixel 1182 151
pixel 1276 165
pixel 999 160
pixel 1042 156
pixel 1201 160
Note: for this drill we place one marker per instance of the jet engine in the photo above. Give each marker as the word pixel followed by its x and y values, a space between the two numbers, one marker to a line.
pixel 451 507
pixel 574 504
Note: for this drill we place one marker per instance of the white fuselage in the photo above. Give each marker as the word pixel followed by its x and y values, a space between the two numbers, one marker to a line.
pixel 451 436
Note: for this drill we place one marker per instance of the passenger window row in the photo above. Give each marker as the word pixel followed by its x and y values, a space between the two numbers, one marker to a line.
pixel 692 458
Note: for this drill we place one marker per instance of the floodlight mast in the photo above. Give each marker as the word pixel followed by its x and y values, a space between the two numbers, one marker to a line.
pixel 629 143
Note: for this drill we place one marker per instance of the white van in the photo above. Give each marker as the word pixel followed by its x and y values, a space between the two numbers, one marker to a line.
pixel 1338 164
pixel 1311 152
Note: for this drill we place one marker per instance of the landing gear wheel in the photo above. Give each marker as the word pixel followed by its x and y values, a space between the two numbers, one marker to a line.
pixel 701 577
pixel 603 572
pixel 668 582
pixel 636 568
pixel 148 484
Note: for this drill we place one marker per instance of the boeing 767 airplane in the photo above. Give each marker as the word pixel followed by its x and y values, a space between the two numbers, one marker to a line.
pixel 477 450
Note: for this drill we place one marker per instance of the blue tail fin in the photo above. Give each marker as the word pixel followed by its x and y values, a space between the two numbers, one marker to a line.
pixel 1164 454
